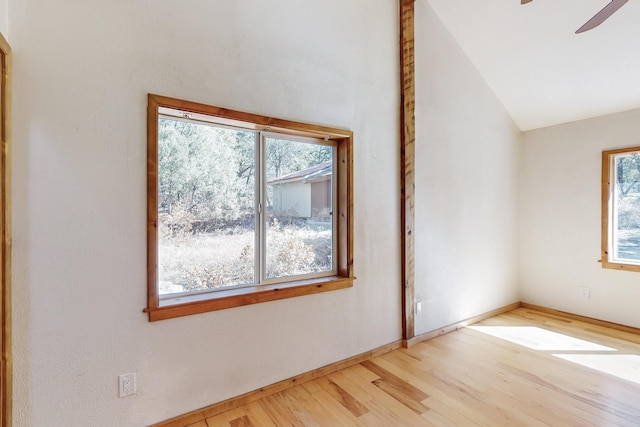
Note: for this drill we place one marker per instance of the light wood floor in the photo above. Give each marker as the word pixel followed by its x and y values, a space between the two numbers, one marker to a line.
pixel 476 376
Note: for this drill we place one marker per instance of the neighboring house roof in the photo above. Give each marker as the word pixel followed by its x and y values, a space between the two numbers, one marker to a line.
pixel 314 173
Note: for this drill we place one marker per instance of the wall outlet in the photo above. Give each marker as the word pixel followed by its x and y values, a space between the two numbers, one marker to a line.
pixel 584 292
pixel 127 384
pixel 418 305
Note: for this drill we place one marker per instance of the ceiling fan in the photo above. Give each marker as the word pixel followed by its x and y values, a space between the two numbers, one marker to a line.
pixel 599 17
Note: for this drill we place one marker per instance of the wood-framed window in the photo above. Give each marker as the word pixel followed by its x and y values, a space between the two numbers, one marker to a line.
pixel 243 208
pixel 621 209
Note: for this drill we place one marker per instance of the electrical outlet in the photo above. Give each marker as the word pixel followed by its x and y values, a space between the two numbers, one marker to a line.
pixel 418 304
pixel 585 292
pixel 127 384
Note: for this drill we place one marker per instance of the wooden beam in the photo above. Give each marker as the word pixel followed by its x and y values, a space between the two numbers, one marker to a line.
pixel 5 234
pixel 407 164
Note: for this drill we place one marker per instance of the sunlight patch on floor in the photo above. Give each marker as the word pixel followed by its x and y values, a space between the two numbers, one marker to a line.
pixel 539 339
pixel 625 366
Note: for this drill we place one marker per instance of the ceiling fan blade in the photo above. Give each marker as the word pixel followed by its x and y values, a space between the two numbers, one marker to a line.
pixel 601 16
pixel 525 1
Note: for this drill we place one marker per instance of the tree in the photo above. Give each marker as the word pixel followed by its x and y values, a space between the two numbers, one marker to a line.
pixel 198 167
pixel 286 156
pixel 208 172
pixel 628 173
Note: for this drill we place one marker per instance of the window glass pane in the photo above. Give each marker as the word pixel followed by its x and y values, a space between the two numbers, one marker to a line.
pixel 626 208
pixel 206 206
pixel 299 215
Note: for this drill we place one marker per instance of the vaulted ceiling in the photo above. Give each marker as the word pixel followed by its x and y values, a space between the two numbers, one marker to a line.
pixel 542 71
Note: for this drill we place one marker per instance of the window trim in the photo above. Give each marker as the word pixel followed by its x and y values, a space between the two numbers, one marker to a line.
pixel 607 192
pixel 183 305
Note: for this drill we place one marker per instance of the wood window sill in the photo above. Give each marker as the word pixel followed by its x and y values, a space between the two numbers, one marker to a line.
pixel 219 300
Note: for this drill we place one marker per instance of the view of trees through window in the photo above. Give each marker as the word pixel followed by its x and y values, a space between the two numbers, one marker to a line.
pixel 626 208
pixel 210 196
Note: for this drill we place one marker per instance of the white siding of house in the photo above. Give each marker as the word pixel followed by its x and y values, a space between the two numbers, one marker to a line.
pixel 292 199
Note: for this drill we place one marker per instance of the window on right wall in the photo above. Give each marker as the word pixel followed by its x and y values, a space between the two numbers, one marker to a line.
pixel 621 209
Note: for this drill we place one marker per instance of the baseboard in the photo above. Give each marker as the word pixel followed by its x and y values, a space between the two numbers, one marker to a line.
pixel 235 402
pixel 455 326
pixel 585 319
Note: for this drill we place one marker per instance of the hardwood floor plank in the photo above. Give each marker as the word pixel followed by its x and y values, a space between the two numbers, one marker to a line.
pixel 238 417
pixel 448 357
pixel 388 377
pixel 350 403
pixel 590 330
pixel 550 373
pixel 279 413
pixel 307 402
pixel 397 388
pixel 219 420
pixel 397 415
pixel 258 415
pixel 530 400
pixel 243 421
pixel 520 369
pixel 401 396
pixel 620 386
pixel 537 377
pixel 364 373
pixel 285 411
pixel 347 419
pixel 372 419
pixel 382 403
pixel 345 380
pixel 447 412
pixel 459 399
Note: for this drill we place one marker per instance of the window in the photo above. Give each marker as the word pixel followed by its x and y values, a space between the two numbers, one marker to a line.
pixel 621 209
pixel 243 208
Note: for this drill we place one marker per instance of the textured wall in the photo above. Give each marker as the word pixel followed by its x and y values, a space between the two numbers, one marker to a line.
pixel 4 18
pixel 561 219
pixel 467 171
pixel 82 74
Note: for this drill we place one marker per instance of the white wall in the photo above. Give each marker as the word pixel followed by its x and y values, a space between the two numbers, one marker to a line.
pixel 560 227
pixel 4 18
pixel 467 165
pixel 82 71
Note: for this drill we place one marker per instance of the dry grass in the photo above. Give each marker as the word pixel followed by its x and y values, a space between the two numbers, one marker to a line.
pixel 200 261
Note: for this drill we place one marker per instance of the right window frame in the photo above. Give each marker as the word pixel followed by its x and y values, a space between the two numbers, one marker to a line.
pixel 620 217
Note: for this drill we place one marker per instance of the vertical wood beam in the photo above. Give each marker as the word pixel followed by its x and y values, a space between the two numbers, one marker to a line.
pixel 5 234
pixel 407 163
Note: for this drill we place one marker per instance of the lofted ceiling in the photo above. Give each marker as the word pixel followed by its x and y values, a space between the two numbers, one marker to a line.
pixel 542 72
